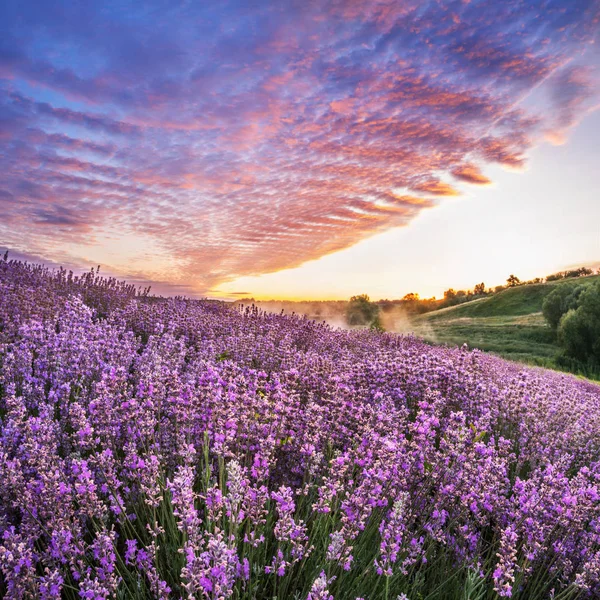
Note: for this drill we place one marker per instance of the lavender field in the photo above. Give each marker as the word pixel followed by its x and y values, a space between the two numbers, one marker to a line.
pixel 155 448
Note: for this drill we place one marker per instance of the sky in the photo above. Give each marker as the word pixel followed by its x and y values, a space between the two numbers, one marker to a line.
pixel 302 149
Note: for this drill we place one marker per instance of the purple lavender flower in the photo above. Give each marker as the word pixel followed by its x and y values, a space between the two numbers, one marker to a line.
pixel 186 448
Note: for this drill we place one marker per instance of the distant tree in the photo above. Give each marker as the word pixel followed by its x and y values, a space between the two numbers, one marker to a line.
pixel 499 288
pixel 461 294
pixel 361 311
pixel 513 281
pixel 411 297
pixel 580 272
pixel 449 294
pixel 559 301
pixel 479 289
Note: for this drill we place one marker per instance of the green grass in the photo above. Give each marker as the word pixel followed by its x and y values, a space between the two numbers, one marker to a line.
pixel 509 324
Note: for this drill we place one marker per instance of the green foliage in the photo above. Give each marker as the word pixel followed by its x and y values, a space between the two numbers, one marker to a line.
pixel 362 312
pixel 579 328
pixel 513 281
pixel 522 300
pixel 558 302
pixel 376 324
pixel 479 289
pixel 225 355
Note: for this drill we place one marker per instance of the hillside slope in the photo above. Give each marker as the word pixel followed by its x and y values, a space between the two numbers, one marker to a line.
pixel 509 323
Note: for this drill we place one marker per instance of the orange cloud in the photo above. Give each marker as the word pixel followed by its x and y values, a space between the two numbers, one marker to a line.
pixel 471 174
pixel 436 187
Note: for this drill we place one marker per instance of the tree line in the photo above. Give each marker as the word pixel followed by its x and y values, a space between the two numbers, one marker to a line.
pixel 414 304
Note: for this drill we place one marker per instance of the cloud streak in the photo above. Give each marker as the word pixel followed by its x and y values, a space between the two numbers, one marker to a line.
pixel 236 138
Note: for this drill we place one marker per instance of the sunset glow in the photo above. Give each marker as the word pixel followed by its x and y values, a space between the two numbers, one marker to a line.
pixel 301 150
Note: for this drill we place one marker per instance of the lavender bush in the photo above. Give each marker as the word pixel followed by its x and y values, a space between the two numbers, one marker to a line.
pixel 183 449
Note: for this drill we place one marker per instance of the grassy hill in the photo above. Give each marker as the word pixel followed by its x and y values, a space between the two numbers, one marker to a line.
pixel 509 323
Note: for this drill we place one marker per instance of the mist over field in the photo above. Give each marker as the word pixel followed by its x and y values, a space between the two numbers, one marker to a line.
pixel 394 319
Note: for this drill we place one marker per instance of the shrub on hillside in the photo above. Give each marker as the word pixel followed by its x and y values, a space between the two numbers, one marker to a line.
pixel 579 328
pixel 558 302
pixel 362 312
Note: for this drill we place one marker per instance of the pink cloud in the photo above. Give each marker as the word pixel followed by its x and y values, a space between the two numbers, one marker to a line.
pixel 242 140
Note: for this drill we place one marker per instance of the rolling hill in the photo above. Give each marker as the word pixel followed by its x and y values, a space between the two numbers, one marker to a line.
pixel 509 323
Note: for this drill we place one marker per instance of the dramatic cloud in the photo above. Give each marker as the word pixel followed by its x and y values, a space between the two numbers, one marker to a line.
pixel 221 139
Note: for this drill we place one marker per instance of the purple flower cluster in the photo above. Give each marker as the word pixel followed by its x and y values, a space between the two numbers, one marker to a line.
pixel 154 448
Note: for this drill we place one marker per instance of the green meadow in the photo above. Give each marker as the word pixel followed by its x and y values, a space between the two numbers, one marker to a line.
pixel 509 323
